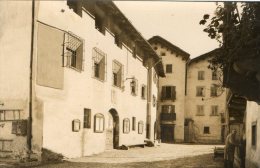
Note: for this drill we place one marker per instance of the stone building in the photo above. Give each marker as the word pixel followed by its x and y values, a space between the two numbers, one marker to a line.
pixel 171 95
pixel 205 102
pixel 68 72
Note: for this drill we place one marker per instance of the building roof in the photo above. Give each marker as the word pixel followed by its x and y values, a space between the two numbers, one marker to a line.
pixel 204 56
pixel 179 51
pixel 144 49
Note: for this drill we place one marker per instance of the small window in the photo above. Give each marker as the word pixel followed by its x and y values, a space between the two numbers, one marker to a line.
pixel 254 134
pixel 214 110
pixel 10 115
pixel 87 118
pixel 126 126
pixel 99 123
pixel 214 75
pixel 213 91
pixel 133 123
pixel 200 91
pixel 168 68
pixel 201 75
pixel 200 110
pixel 134 87
pixel 206 130
pixel 74 52
pixel 168 93
pixel 99 64
pixel 163 54
pixel 143 92
pixel 140 127
pixel 155 48
pixel 117 74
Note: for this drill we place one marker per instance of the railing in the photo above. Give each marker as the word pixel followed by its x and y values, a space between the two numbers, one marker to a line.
pixel 168 116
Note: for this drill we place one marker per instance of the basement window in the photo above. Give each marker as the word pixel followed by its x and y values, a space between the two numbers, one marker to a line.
pixel 206 130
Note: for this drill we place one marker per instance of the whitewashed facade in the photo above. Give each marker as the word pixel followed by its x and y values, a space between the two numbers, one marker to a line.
pixel 92 83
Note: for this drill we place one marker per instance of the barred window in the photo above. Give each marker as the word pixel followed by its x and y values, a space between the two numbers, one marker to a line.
pixel 117 69
pixel 99 64
pixel 73 56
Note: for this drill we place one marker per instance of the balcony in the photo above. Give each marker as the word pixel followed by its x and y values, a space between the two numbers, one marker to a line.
pixel 168 117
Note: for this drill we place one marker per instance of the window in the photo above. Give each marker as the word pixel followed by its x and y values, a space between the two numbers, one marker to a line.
pixel 134 87
pixel 200 110
pixel 168 113
pixel 163 54
pixel 126 126
pixel 9 115
pixel 140 127
pixel 213 91
pixel 214 110
pixel 254 134
pixel 143 92
pixel 19 127
pixel 87 118
pixel 117 74
pixel 201 75
pixel 76 6
pixel 214 75
pixel 99 123
pixel 200 91
pixel 99 64
pixel 133 123
pixel 74 52
pixel 168 93
pixel 168 68
pixel 155 48
pixel 206 130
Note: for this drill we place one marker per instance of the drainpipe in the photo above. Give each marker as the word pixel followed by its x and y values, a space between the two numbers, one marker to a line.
pixel 149 98
pixel 29 134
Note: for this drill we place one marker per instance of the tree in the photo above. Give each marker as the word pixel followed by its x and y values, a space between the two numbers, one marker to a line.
pixel 238 34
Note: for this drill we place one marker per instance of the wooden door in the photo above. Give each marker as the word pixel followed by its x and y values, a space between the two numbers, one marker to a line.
pixel 109 133
pixel 167 133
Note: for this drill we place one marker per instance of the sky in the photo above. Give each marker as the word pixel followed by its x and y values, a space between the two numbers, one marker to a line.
pixel 177 22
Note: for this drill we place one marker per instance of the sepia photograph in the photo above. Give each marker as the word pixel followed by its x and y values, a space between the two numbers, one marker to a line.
pixel 129 84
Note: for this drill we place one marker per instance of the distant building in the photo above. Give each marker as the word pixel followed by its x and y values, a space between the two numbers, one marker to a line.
pixel 205 102
pixel 78 79
pixel 171 95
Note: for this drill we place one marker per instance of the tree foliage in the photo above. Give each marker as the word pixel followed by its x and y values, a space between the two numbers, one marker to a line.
pixel 238 33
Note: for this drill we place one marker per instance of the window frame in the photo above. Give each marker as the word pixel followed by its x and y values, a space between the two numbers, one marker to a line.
pixel 201 92
pixel 86 118
pixel 126 126
pixel 98 118
pixel 140 127
pixel 201 75
pixel 168 68
pixel 206 130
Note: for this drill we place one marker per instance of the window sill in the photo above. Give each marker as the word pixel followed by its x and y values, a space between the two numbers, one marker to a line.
pixel 73 68
pixel 101 80
pixel 118 87
pixel 98 131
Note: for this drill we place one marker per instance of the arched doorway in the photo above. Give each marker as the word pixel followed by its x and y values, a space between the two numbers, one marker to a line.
pixel 112 130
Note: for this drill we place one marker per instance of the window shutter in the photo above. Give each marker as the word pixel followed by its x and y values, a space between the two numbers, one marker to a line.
pixel 163 93
pixel 79 57
pixel 102 69
pixel 173 95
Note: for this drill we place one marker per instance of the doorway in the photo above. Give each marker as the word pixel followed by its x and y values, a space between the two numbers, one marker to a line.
pixel 112 130
pixel 167 133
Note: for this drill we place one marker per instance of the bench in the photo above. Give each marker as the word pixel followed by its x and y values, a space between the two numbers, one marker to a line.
pixel 218 152
pixel 126 147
